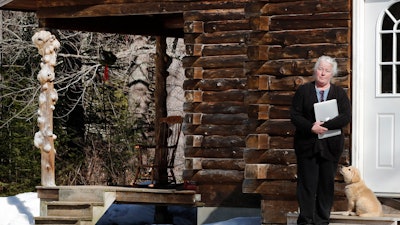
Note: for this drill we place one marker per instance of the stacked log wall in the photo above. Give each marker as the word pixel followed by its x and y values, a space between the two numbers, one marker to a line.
pixel 217 122
pixel 245 59
pixel 290 36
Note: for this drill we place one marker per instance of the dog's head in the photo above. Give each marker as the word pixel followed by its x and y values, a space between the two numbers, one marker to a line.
pixel 350 174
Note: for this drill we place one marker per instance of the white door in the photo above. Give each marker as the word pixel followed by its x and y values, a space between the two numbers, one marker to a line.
pixel 378 90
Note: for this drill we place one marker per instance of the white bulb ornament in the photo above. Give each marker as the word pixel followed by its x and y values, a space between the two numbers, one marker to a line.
pixel 41 120
pixel 54 95
pixel 38 140
pixel 47 147
pixel 45 86
pixel 42 98
pixel 40 39
pixel 50 59
pixel 45 75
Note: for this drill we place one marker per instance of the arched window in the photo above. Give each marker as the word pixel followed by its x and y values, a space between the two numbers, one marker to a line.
pixel 388 53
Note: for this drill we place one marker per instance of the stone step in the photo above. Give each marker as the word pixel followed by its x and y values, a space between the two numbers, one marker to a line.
pixel 76 205
pixel 73 209
pixel 56 220
pixel 337 219
pixel 82 194
pixel 60 220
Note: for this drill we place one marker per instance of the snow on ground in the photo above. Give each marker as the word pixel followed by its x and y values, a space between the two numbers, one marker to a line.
pixel 19 209
pixel 22 208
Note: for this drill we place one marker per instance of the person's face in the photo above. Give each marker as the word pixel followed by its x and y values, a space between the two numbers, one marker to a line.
pixel 323 74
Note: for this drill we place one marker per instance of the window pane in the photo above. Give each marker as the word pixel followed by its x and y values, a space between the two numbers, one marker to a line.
pixel 398 79
pixel 395 49
pixel 386 79
pixel 395 9
pixel 387 47
pixel 387 23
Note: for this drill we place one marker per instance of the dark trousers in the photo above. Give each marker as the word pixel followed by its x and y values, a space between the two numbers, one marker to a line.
pixel 315 189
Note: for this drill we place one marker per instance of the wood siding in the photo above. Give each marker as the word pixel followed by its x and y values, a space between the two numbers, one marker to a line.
pixel 217 122
pixel 245 59
pixel 240 81
pixel 290 36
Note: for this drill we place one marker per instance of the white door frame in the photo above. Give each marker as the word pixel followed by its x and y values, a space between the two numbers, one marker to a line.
pixel 358 87
pixel 357 101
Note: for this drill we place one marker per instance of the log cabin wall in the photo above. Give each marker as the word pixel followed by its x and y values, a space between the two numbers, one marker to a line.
pixel 217 122
pixel 245 59
pixel 291 36
pixel 245 62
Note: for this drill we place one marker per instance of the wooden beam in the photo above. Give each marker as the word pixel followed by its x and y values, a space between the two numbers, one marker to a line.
pixel 156 198
pixel 99 10
pixel 94 8
pixel 161 175
pixel 227 194
pixel 170 25
pixel 95 193
pixel 21 5
pixel 52 3
pixel 5 2
pixel 391 202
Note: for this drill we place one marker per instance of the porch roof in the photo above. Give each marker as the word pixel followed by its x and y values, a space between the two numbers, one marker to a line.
pixel 109 16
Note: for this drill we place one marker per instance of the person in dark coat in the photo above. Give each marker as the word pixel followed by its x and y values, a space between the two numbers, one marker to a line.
pixel 317 159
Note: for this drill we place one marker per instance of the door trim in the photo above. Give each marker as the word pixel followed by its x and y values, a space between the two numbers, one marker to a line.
pixel 358 88
pixel 357 134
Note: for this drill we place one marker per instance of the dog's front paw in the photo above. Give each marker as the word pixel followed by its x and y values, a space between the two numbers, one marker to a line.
pixel 349 213
pixel 346 213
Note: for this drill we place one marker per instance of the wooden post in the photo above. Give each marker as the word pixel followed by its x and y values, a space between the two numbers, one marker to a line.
pixel 160 93
pixel 161 175
pixel 47 45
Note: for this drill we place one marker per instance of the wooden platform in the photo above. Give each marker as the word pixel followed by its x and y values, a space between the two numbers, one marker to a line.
pixel 85 205
pixel 336 219
pixel 124 194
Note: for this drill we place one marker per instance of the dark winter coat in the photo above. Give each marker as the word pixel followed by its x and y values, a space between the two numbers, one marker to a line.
pixel 306 143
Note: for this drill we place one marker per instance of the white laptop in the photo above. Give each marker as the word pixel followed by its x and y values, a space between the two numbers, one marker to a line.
pixel 325 111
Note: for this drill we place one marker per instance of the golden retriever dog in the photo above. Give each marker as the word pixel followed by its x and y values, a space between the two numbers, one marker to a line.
pixel 361 200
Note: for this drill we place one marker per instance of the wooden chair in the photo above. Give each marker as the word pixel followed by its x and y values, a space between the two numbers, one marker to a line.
pixel 145 144
pixel 160 168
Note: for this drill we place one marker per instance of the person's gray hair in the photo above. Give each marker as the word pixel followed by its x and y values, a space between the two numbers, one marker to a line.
pixel 329 60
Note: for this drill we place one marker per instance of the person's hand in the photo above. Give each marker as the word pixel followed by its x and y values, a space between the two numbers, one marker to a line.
pixel 317 128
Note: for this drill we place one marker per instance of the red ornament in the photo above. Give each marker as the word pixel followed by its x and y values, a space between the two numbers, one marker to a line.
pixel 105 78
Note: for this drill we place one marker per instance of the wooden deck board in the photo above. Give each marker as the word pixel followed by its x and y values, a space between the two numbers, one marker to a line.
pixel 336 218
pixel 126 194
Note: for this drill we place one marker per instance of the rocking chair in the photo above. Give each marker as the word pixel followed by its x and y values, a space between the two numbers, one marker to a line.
pixel 159 169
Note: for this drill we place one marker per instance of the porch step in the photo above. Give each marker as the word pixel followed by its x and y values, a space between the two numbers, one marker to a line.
pixel 62 220
pixel 81 194
pixel 56 220
pixel 73 206
pixel 73 209
pixel 387 219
